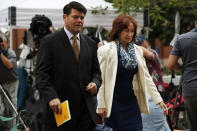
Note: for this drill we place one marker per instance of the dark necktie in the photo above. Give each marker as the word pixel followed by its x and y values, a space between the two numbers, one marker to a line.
pixel 75 47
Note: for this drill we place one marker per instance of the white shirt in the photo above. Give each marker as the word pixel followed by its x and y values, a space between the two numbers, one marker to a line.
pixel 70 35
pixel 23 61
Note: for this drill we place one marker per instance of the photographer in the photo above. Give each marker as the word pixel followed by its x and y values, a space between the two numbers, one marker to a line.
pixel 40 26
pixel 8 59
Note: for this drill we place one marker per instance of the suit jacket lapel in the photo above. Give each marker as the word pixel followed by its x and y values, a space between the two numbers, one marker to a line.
pixel 83 49
pixel 66 43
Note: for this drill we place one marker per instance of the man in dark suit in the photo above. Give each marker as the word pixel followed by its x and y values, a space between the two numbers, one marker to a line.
pixel 68 69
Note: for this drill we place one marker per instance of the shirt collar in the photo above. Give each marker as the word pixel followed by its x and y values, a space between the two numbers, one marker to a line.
pixel 194 30
pixel 70 35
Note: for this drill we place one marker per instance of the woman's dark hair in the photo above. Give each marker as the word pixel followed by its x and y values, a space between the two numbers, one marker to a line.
pixel 74 5
pixel 120 23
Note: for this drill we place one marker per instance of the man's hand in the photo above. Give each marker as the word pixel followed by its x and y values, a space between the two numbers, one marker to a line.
pixel 91 88
pixel 55 105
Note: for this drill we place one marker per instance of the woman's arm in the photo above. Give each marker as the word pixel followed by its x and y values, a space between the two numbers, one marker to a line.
pixel 101 108
pixel 152 90
pixel 101 92
pixel 147 54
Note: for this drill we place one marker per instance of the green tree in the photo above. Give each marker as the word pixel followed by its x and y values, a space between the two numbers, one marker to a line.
pixel 162 14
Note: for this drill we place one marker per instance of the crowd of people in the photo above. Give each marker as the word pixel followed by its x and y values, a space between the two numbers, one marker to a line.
pixel 8 60
pixel 120 81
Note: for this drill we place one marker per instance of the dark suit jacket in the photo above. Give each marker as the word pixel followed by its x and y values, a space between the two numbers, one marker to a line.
pixel 59 75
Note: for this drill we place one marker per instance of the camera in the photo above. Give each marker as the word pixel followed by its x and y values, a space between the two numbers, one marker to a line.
pixel 40 25
pixel 39 28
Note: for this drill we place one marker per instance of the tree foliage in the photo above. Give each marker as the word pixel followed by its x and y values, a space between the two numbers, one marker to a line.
pixel 162 14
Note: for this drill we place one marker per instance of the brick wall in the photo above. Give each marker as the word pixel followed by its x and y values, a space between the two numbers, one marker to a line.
pixel 17 39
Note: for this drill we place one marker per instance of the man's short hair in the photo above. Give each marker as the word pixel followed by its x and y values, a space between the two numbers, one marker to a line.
pixel 74 5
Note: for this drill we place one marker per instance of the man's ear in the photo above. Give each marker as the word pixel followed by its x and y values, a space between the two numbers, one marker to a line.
pixel 64 16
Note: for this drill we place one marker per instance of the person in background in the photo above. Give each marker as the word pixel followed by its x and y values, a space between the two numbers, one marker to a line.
pixel 95 39
pixel 8 59
pixel 153 63
pixel 155 121
pixel 126 82
pixel 40 26
pixel 68 69
pixel 52 29
pixel 185 48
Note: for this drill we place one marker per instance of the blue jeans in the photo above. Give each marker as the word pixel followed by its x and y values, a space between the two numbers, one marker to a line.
pixel 155 121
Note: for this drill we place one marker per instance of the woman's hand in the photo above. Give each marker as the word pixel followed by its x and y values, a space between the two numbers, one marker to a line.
pixel 164 107
pixel 103 113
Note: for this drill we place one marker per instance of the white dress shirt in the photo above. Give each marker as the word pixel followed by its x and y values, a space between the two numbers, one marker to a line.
pixel 70 35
